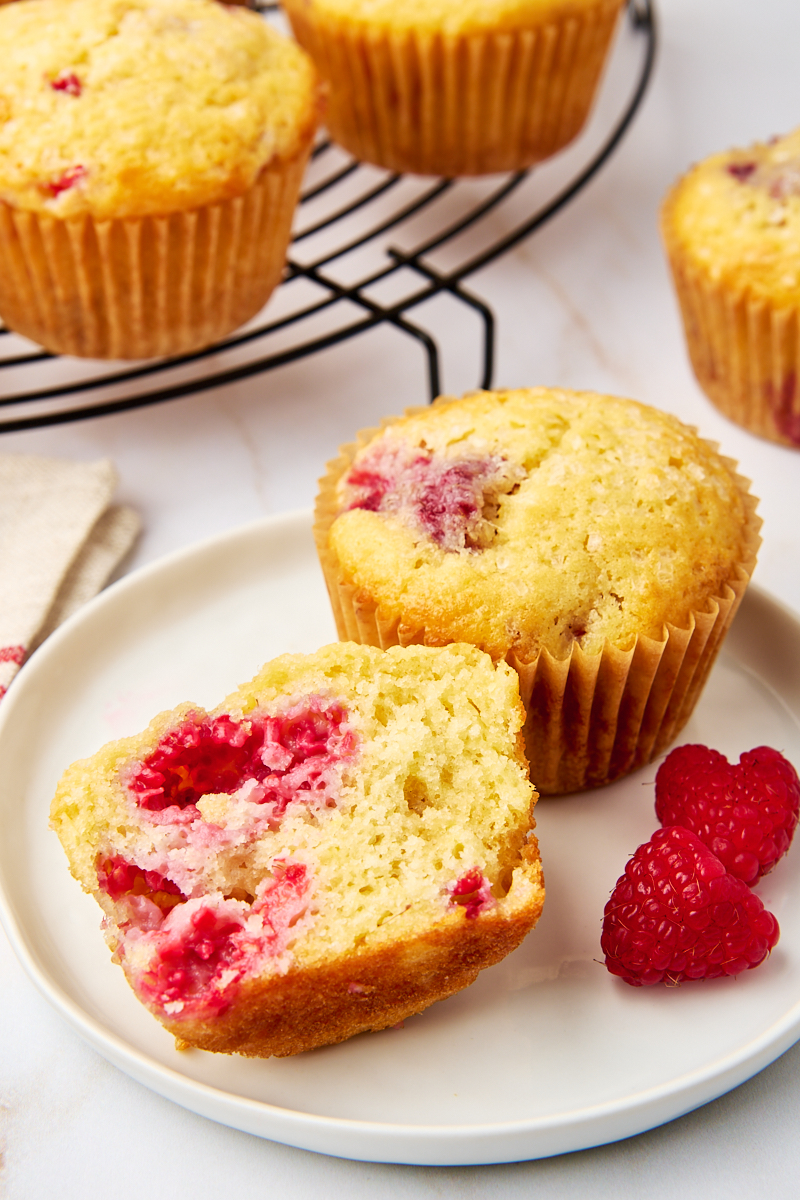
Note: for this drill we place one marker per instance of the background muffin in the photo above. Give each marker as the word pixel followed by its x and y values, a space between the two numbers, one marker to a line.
pixel 731 228
pixel 599 546
pixel 456 87
pixel 151 153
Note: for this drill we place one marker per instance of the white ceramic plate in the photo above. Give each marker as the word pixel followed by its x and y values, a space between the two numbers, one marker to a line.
pixel 546 1052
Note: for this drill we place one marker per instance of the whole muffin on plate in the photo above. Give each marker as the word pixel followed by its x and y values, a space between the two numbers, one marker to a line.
pixel 345 840
pixel 151 153
pixel 456 87
pixel 597 545
pixel 731 227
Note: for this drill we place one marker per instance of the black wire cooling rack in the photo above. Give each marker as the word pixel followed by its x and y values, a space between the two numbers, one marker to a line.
pixel 368 250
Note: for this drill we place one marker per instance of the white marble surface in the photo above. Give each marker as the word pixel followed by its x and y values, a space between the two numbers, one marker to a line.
pixel 587 303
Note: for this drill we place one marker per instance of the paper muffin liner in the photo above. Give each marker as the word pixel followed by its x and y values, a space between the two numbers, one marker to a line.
pixel 590 718
pixel 461 104
pixel 141 287
pixel 745 352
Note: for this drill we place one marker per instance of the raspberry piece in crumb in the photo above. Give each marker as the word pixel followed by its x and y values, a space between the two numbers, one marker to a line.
pixel 746 813
pixel 117 878
pixel 452 501
pixel 370 488
pixel 472 892
pixel 186 967
pixel 67 81
pixel 676 914
pixel 66 180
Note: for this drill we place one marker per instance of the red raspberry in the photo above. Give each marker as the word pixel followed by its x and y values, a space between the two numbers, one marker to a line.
pixel 745 813
pixel 677 914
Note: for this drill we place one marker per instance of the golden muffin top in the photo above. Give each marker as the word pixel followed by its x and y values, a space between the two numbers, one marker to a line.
pixel 737 217
pixel 533 519
pixel 125 108
pixel 449 16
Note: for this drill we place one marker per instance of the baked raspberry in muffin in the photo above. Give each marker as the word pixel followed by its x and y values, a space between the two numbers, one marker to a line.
pixel 599 546
pixel 345 840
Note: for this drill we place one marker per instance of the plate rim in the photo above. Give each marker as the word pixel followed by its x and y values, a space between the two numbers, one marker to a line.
pixel 374 1141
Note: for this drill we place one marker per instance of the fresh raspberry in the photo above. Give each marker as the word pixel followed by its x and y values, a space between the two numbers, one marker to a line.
pixel 746 812
pixel 677 914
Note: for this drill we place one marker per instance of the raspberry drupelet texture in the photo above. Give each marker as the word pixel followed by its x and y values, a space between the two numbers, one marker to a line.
pixel 745 813
pixel 676 914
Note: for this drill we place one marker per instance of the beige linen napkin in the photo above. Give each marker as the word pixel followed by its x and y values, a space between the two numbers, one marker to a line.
pixel 60 540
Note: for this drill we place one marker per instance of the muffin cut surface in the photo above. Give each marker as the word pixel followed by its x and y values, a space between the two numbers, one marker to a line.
pixel 344 841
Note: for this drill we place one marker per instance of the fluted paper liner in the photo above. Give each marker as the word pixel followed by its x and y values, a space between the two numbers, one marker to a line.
pixel 744 351
pixel 591 718
pixel 459 104
pixel 146 286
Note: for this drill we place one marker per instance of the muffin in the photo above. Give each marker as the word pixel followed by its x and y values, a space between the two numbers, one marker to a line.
pixel 345 840
pixel 151 154
pixel 597 545
pixel 731 229
pixel 456 87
